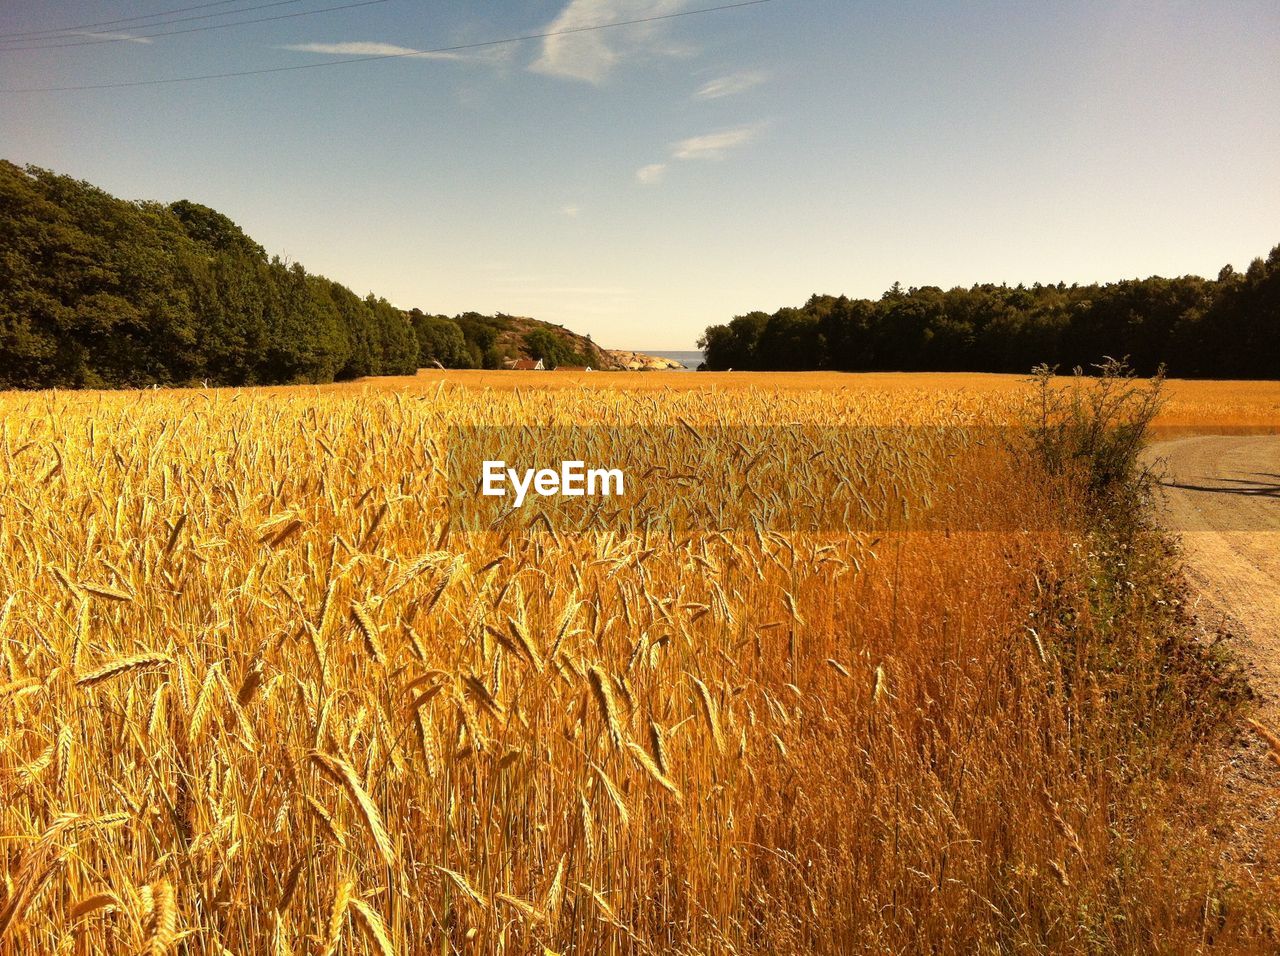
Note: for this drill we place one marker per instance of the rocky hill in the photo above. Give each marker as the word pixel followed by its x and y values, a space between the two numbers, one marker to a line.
pixel 640 362
pixel 472 340
pixel 515 337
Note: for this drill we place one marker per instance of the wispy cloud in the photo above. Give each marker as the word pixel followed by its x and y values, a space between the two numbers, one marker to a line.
pixel 572 210
pixel 652 173
pixel 590 57
pixel 375 48
pixel 354 48
pixel 125 37
pixel 368 47
pixel 730 85
pixel 708 146
pixel 714 145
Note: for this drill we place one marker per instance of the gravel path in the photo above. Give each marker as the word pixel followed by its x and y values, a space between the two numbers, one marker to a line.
pixel 1222 497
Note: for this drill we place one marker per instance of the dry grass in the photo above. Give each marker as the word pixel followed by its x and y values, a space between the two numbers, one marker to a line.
pixel 255 696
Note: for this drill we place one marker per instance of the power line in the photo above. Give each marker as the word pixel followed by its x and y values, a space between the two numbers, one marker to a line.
pixel 113 36
pixel 108 23
pixel 390 56
pixel 212 26
pixel 39 33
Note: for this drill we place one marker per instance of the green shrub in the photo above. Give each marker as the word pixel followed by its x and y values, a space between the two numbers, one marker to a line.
pixel 1096 427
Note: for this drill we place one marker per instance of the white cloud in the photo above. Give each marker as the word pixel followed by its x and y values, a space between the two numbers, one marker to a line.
pixel 652 173
pixel 708 146
pixel 590 56
pixel 714 145
pixel 125 37
pixel 369 48
pixel 356 48
pixel 570 210
pixel 730 85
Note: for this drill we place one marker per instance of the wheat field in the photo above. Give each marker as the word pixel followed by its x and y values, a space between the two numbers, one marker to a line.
pixel 1192 404
pixel 259 695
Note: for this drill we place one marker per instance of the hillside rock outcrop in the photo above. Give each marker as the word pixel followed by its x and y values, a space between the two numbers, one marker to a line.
pixel 639 362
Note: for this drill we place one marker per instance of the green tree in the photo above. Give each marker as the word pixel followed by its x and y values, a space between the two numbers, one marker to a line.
pixel 551 349
pixel 440 340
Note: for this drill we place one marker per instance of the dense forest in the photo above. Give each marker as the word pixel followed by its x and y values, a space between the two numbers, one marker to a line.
pixel 1223 328
pixel 99 292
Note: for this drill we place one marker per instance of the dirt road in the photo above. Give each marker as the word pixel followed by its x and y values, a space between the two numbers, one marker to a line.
pixel 1222 496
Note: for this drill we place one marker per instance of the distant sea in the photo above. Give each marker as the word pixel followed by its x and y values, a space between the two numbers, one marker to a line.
pixel 690 360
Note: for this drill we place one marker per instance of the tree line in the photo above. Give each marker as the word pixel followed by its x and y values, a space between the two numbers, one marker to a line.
pixel 98 292
pixel 1227 327
pixel 103 293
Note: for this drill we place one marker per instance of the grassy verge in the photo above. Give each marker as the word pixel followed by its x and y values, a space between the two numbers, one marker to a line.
pixel 1151 708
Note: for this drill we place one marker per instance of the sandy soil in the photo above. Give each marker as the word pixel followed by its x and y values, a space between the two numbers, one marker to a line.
pixel 1222 496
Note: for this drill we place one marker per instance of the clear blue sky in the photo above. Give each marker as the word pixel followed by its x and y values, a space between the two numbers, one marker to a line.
pixel 643 182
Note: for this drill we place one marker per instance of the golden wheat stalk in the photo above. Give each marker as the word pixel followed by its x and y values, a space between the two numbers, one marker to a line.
pixel 125 665
pixel 710 712
pixel 340 770
pixel 373 925
pixel 162 922
pixel 104 900
pixel 204 703
pixel 27 891
pixel 530 650
pixel 82 633
pixel 619 805
pixel 369 631
pixel 280 939
pixel 651 768
pixel 326 821
pixel 338 917
pixel 106 592
pixel 524 907
pixel 250 685
pixel 415 568
pixel 555 892
pixel 28 772
pixel 64 748
pixel 602 690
